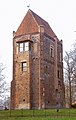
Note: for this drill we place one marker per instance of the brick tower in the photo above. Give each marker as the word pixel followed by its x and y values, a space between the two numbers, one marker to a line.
pixel 37 66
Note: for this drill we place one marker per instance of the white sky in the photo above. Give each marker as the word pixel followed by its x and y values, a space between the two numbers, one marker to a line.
pixel 60 14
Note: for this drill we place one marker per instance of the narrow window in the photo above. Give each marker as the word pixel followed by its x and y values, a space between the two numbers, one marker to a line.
pixel 20 47
pixel 58 74
pixel 26 46
pixel 24 66
pixel 52 51
pixel 60 57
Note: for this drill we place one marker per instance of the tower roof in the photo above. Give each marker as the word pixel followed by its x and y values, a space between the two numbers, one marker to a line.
pixel 31 23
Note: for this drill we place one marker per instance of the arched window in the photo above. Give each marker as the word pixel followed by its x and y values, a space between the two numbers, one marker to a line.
pixel 52 51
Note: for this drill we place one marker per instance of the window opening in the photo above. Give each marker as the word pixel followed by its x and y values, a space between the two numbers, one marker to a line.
pixel 52 51
pixel 21 47
pixel 24 66
pixel 26 46
pixel 58 74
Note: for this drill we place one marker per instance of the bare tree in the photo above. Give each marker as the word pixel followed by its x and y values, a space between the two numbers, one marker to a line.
pixel 3 84
pixel 68 74
pixel 73 57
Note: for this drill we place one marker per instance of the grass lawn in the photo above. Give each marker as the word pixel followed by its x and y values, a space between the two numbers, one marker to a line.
pixel 35 118
pixel 51 114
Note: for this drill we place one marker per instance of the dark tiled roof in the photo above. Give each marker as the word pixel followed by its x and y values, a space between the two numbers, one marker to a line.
pixel 47 27
pixel 35 22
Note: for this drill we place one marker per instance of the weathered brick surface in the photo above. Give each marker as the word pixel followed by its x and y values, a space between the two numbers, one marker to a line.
pixel 41 85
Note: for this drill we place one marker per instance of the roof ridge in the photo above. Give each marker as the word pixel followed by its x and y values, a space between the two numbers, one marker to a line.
pixel 33 16
pixel 38 16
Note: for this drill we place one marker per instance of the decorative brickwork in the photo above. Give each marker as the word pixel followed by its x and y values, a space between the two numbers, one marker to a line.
pixel 37 66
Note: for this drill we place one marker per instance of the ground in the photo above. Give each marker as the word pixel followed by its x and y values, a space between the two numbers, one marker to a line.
pixel 51 114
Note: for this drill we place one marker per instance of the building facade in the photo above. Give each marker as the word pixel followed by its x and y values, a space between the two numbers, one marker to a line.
pixel 37 66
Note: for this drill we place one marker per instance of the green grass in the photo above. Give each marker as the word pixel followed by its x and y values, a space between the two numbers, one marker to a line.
pixel 36 118
pixel 51 114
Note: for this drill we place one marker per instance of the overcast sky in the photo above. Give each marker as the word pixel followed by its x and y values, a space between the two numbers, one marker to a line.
pixel 60 14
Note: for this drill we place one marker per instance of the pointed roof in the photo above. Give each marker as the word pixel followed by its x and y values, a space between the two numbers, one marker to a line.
pixel 31 23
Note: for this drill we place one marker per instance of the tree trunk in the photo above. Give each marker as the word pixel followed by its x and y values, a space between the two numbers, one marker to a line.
pixel 70 96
